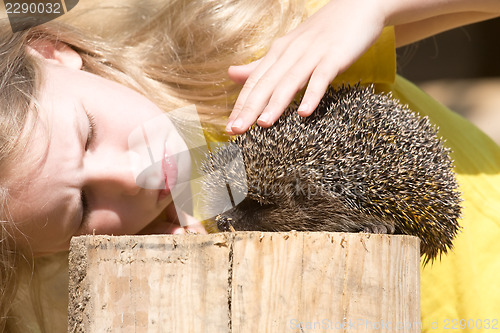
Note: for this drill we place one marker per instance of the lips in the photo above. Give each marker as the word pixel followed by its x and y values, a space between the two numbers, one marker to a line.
pixel 169 168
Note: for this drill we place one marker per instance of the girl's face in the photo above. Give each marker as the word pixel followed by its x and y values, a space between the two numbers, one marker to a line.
pixel 82 181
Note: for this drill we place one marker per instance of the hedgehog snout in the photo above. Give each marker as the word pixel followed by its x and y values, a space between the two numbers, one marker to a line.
pixel 224 223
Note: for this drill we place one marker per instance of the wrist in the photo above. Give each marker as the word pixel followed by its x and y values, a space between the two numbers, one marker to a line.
pixel 398 12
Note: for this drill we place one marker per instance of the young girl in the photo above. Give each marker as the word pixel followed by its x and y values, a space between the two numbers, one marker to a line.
pixel 71 97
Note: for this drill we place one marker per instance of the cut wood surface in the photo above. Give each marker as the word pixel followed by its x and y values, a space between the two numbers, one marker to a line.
pixel 245 282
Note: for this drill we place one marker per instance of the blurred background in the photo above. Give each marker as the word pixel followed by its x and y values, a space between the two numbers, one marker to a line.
pixel 461 69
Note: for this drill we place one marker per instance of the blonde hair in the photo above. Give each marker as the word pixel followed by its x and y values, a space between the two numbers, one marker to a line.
pixel 175 54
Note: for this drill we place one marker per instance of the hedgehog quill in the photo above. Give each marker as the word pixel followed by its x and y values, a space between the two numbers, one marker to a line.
pixel 362 162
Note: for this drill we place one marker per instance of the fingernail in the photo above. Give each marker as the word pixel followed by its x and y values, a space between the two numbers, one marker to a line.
pixel 238 123
pixel 264 118
pixel 179 231
pixel 303 108
pixel 228 127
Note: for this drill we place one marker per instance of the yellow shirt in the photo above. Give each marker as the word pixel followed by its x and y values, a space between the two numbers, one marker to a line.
pixel 463 284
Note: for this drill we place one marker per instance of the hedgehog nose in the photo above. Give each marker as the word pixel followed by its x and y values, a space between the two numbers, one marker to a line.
pixel 223 223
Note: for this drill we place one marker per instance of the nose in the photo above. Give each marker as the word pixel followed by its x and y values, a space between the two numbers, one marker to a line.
pixel 110 172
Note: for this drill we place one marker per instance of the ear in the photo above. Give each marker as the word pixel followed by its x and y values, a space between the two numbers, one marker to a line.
pixel 55 52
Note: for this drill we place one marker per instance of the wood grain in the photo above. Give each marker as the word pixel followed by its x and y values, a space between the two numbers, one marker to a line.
pixel 245 282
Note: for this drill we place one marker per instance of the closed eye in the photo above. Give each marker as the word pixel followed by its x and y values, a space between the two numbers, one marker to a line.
pixel 91 135
pixel 92 130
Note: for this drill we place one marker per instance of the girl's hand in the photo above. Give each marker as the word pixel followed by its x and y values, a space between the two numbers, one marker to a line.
pixel 329 42
pixel 319 49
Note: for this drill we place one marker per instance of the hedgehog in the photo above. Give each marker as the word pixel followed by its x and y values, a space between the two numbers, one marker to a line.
pixel 362 162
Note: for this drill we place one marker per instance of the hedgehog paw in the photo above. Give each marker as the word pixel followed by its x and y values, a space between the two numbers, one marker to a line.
pixel 377 229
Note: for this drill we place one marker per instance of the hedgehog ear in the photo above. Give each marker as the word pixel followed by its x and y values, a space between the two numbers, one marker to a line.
pixel 55 52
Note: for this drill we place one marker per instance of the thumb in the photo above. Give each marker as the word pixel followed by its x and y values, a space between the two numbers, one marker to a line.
pixel 240 74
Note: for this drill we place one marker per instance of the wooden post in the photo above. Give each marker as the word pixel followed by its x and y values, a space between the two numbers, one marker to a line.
pixel 245 282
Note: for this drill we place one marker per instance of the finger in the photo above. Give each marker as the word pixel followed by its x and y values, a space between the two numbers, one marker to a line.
pixel 162 227
pixel 280 100
pixel 196 229
pixel 240 102
pixel 262 67
pixel 320 79
pixel 250 83
pixel 192 224
pixel 240 74
pixel 294 80
pixel 252 107
pixel 282 73
pixel 175 230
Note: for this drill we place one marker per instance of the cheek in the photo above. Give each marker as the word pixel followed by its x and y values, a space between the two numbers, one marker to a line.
pixel 104 222
pixel 46 237
pixel 48 228
pixel 114 127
